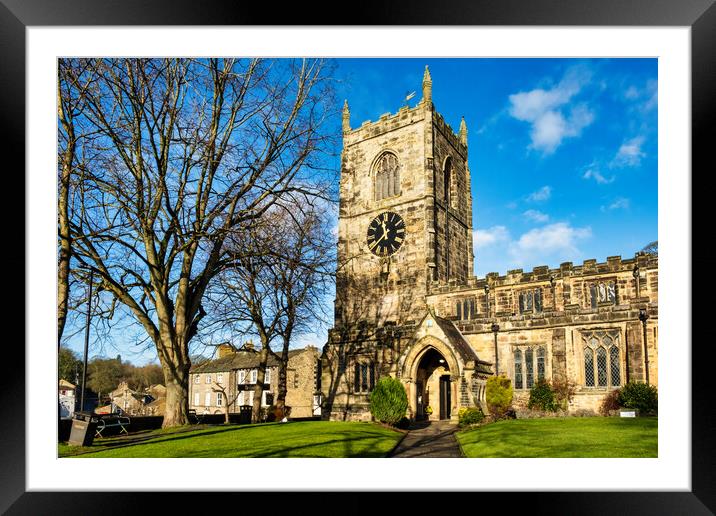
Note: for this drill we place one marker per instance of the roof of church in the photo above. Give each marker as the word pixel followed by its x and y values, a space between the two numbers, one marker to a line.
pixel 461 345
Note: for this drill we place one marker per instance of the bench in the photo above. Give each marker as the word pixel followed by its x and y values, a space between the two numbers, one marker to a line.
pixel 105 421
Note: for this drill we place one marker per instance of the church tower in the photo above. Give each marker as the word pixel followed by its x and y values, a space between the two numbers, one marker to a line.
pixel 404 231
pixel 405 222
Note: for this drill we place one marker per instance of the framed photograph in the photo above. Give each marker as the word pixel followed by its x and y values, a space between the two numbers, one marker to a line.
pixel 563 109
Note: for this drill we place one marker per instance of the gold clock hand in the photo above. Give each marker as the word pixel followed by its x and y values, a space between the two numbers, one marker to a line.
pixel 376 242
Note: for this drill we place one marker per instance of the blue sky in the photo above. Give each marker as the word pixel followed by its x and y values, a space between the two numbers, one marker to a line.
pixel 562 154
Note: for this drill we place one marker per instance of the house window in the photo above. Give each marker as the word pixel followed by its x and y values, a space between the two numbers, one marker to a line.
pixel 364 377
pixel 197 399
pixel 220 378
pixel 602 361
pixel 387 177
pixel 197 378
pixel 267 375
pixel 219 399
pixel 604 291
pixel 266 399
pixel 241 398
pixel 208 378
pixel 242 376
pixel 254 374
pixel 207 399
pixel 530 301
pixel 529 366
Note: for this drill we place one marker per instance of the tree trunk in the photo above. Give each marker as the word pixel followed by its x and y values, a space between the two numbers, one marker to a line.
pixel 63 223
pixel 282 381
pixel 176 379
pixel 259 390
pixel 176 412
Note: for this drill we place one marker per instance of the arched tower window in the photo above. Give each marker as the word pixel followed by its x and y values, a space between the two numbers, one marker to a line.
pixel 387 176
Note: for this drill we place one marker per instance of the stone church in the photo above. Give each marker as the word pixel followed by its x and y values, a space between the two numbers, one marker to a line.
pixel 408 304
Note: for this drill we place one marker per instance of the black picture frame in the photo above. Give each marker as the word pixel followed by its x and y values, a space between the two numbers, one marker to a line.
pixel 17 15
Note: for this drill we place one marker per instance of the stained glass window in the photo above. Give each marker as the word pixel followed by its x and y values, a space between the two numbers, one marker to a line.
pixel 529 364
pixel 518 369
pixel 540 363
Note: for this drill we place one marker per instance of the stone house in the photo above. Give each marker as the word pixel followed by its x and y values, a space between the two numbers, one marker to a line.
pixel 138 403
pixel 237 371
pixel 408 305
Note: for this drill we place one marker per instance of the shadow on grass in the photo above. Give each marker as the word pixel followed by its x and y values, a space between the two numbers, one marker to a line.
pixel 365 442
pixel 130 441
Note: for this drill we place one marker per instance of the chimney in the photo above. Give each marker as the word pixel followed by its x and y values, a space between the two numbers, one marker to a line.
pixel 226 349
pixel 249 345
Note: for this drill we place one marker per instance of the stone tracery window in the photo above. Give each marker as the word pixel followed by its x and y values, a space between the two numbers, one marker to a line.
pixel 465 308
pixel 602 360
pixel 363 376
pixel 601 292
pixel 530 301
pixel 531 369
pixel 387 176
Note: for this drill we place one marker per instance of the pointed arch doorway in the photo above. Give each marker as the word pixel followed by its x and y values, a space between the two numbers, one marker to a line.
pixel 433 387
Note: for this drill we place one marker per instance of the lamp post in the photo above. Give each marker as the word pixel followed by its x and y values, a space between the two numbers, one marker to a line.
pixel 495 328
pixel 87 329
pixel 487 299
pixel 643 316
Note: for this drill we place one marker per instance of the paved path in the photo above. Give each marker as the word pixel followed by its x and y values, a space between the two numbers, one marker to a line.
pixel 429 439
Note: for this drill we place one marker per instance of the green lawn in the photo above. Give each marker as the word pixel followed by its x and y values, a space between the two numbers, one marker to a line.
pixel 566 437
pixel 298 439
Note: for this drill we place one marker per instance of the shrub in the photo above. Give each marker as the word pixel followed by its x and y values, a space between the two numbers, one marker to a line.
pixel 470 416
pixel 498 395
pixel 637 395
pixel 542 397
pixel 563 392
pixel 403 424
pixel 610 403
pixel 388 401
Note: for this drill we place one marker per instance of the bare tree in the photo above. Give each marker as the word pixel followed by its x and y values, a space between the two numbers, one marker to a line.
pixel 304 265
pixel 244 296
pixel 276 287
pixel 651 248
pixel 182 153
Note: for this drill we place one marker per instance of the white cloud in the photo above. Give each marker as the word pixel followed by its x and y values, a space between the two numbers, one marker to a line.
pixel 631 93
pixel 552 244
pixel 542 244
pixel 593 173
pixel 646 98
pixel 544 109
pixel 536 216
pixel 629 154
pixel 620 203
pixel 488 237
pixel 540 195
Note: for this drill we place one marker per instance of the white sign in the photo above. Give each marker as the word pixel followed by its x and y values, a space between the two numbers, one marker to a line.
pixel 627 413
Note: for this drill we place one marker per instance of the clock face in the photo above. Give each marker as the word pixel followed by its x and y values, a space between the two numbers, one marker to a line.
pixel 386 234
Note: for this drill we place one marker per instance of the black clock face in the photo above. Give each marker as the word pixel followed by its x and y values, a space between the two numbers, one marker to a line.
pixel 386 234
